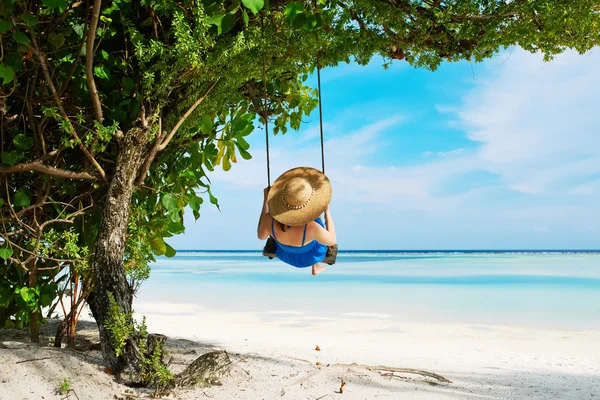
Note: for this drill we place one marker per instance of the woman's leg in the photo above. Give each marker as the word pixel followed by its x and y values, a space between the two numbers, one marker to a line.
pixel 317 269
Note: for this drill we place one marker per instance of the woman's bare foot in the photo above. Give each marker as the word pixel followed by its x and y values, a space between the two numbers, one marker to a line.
pixel 317 269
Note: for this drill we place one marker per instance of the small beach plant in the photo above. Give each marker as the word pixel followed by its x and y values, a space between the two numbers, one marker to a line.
pixel 64 387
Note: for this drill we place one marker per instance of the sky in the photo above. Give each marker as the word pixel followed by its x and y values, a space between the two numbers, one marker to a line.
pixel 503 154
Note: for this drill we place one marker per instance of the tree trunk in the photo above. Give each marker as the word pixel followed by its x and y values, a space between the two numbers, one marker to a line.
pixel 107 267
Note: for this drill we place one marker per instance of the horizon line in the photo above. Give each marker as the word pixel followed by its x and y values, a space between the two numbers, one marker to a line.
pixel 415 250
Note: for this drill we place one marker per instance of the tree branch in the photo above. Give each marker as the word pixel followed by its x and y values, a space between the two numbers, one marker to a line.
pixel 160 144
pixel 63 113
pixel 37 166
pixel 89 60
pixel 164 144
pixel 257 105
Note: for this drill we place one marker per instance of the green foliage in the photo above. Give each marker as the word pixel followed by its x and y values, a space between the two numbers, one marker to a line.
pixel 152 371
pixel 64 387
pixel 119 324
pixel 19 300
pixel 123 328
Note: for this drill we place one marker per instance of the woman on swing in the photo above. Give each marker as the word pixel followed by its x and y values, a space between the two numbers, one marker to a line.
pixel 290 214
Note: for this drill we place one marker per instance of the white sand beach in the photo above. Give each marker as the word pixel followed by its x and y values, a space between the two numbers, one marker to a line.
pixel 276 358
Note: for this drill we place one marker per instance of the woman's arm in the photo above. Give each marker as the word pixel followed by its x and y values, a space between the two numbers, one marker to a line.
pixel 261 232
pixel 325 236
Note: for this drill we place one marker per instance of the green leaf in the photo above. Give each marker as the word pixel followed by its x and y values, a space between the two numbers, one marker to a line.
pixel 206 124
pixel 14 61
pixel 245 155
pixel 226 161
pixel 254 5
pixel 311 22
pixel 5 253
pixel 196 214
pixel 246 17
pixel 5 26
pixel 62 4
pixel 299 21
pixel 293 9
pixel 56 39
pixel 23 142
pixel 187 174
pixel 7 74
pixel 176 228
pixel 11 157
pixel 170 202
pixel 6 292
pixel 227 23
pixel 213 200
pixel 127 84
pixel 169 251
pixel 47 295
pixel 28 296
pixel 20 37
pixel 238 124
pixel 29 20
pixel 102 72
pixel 242 144
pixel 22 198
pixel 79 30
pixel 215 19
pixel 158 245
pixel 134 108
pixel 195 202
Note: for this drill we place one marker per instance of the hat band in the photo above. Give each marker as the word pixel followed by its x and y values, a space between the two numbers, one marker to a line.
pixel 291 207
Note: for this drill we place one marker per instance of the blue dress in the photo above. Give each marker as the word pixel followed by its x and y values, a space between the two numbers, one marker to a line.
pixel 303 256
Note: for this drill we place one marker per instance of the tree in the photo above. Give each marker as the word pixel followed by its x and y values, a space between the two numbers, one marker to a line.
pixel 132 102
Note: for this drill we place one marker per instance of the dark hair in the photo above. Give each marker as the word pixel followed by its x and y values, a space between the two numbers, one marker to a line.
pixel 281 226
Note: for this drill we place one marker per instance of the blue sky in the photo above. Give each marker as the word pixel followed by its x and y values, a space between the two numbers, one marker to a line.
pixel 499 155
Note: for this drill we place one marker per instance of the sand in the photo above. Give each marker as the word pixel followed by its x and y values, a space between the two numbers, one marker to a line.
pixel 274 357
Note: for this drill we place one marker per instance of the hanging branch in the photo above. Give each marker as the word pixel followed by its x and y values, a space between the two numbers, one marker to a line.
pixel 63 113
pixel 89 60
pixel 160 144
pixel 37 166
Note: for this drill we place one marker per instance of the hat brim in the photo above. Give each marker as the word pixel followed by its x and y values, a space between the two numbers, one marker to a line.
pixel 315 207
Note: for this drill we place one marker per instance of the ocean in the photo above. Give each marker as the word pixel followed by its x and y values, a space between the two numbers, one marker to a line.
pixel 552 289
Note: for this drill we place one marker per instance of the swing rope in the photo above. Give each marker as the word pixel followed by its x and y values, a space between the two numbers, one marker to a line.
pixel 266 110
pixel 265 116
pixel 320 113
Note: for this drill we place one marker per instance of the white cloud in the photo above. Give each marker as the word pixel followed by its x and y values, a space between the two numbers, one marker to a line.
pixel 540 228
pixel 444 153
pixel 534 120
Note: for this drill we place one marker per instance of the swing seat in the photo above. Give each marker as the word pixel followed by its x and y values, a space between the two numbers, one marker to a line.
pixel 271 247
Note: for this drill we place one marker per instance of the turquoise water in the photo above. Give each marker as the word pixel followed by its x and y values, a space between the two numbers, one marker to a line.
pixel 559 290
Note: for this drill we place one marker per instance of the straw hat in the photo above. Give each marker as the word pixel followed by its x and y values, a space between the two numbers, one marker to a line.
pixel 299 196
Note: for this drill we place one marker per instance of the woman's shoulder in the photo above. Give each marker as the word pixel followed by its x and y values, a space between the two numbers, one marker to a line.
pixel 314 225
